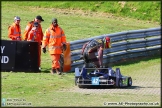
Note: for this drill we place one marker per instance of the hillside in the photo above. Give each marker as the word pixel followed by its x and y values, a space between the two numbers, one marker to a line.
pixel 142 10
pixel 82 20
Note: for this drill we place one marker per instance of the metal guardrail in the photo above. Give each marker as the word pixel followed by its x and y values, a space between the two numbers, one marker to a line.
pixel 128 44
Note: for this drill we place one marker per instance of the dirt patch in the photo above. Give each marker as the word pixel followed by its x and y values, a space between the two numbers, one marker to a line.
pixel 79 12
pixel 86 13
pixel 134 90
pixel 82 13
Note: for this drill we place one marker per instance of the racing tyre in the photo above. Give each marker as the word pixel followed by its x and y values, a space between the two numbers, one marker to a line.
pixel 129 81
pixel 120 83
pixel 76 78
pixel 82 86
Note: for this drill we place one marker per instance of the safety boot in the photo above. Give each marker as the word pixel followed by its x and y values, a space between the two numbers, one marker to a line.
pixel 58 72
pixel 52 71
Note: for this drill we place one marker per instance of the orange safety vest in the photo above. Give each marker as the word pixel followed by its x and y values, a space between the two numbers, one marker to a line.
pixel 29 27
pixel 14 32
pixel 34 35
pixel 54 38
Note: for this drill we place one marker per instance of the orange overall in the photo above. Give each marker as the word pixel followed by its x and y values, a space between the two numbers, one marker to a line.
pixel 14 32
pixel 54 38
pixel 29 27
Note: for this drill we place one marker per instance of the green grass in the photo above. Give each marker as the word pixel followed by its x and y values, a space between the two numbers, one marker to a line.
pixel 76 24
pixel 148 10
pixel 44 89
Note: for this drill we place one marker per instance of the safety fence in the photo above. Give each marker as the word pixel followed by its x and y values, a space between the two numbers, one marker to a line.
pixel 125 45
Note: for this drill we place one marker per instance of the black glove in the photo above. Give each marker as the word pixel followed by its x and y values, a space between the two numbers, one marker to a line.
pixel 44 50
pixel 64 47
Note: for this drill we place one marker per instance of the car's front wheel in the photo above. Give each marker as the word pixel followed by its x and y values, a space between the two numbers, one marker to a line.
pixel 120 83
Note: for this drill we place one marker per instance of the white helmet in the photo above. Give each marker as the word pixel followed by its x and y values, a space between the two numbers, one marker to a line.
pixel 17 18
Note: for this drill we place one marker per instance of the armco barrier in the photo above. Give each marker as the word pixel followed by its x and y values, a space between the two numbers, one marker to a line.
pixel 22 56
pixel 19 56
pixel 125 45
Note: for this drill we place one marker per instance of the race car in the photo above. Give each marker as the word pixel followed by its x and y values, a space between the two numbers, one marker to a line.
pixel 90 77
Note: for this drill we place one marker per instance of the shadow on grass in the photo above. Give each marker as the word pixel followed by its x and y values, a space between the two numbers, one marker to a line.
pixel 110 87
pixel 46 70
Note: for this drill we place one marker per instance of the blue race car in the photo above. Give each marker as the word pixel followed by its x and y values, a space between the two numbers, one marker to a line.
pixel 101 77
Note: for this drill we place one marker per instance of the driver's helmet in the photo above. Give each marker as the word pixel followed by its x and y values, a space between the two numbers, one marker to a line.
pixel 107 42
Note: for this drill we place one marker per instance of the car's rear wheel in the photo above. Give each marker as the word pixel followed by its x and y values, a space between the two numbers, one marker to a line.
pixel 129 81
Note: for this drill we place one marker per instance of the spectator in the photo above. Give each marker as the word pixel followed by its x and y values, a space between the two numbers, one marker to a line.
pixel 14 30
pixel 30 25
pixel 35 35
pixel 55 39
